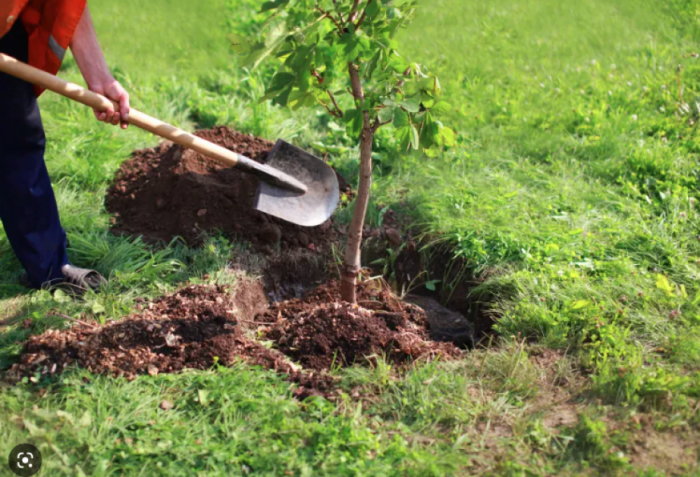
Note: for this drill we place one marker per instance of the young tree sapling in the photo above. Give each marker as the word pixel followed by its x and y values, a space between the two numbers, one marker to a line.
pixel 332 48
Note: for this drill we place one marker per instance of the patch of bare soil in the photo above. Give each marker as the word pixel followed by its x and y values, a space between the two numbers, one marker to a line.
pixel 452 280
pixel 557 389
pixel 561 403
pixel 677 453
pixel 293 273
pixel 169 191
pixel 319 330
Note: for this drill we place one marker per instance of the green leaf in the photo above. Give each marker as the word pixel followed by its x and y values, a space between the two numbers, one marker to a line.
pixel 281 81
pixel 431 284
pixel 260 51
pixel 446 136
pixel 374 62
pixel 411 105
pixel 350 115
pixel 429 132
pixel 372 8
pixel 305 79
pixel 400 118
pixel 239 44
pixel 393 12
pixel 432 152
pixel 579 304
pixel 60 296
pixel 351 46
pixel 353 118
pixel 442 107
pixel 283 98
pixel 403 135
pixel 386 114
pixel 437 88
pixel 272 5
pixel 415 137
pixel 398 64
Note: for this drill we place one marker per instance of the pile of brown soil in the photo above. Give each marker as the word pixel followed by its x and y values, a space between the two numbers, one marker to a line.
pixel 199 326
pixel 320 331
pixel 194 328
pixel 169 191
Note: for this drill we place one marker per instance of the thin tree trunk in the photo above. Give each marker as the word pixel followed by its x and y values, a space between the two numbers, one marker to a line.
pixel 352 261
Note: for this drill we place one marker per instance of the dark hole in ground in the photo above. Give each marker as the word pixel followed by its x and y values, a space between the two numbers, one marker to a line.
pixel 453 288
pixel 454 313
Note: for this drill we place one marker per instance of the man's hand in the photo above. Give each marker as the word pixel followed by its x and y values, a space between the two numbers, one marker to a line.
pixel 114 91
pixel 92 64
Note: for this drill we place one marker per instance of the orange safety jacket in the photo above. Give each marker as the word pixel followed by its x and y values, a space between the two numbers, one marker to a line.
pixel 50 25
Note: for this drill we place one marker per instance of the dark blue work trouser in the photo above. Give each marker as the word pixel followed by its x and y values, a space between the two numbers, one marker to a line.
pixel 27 204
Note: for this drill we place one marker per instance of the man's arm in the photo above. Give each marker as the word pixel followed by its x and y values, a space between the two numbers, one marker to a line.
pixel 88 55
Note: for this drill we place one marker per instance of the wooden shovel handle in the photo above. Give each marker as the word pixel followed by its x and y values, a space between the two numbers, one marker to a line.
pixel 98 102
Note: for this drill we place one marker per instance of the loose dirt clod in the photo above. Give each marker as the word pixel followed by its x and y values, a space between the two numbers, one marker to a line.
pixel 169 191
pixel 319 330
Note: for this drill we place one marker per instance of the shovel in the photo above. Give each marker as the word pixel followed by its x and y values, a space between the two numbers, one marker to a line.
pixel 294 185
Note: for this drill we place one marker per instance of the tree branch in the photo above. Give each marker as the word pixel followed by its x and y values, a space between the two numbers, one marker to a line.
pixel 335 103
pixel 332 112
pixel 377 124
pixel 326 14
pixel 318 76
pixel 354 11
pixel 340 15
pixel 364 15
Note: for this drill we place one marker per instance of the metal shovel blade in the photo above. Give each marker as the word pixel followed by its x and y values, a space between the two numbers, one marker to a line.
pixel 309 209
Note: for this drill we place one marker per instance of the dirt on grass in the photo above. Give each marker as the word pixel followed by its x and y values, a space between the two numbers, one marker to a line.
pixel 169 191
pixel 200 326
pixel 320 331
pixel 196 327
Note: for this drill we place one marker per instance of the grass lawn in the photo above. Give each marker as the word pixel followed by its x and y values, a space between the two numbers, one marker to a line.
pixel 570 198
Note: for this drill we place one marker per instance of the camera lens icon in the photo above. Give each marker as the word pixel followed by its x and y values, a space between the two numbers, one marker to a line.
pixel 25 460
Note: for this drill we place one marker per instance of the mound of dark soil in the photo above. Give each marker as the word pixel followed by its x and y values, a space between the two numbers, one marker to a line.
pixel 199 326
pixel 193 328
pixel 319 330
pixel 169 191
pixel 187 329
